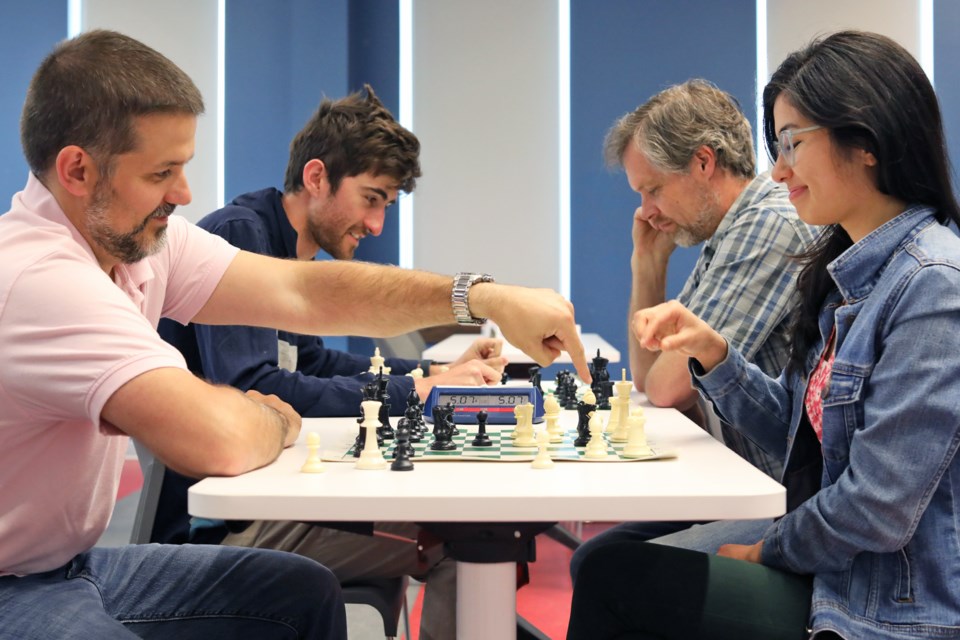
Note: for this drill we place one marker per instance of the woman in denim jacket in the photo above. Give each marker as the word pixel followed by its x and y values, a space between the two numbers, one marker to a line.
pixel 867 412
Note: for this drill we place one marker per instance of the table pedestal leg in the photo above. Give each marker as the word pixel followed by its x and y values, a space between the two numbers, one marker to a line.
pixel 486 601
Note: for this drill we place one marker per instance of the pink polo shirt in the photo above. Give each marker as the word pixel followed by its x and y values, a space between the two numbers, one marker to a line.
pixel 69 338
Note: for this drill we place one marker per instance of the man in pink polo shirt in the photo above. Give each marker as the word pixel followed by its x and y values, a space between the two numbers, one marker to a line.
pixel 90 259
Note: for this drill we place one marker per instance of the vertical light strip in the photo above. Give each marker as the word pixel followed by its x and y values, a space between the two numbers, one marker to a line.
pixel 563 59
pixel 74 18
pixel 406 119
pixel 221 99
pixel 926 38
pixel 763 162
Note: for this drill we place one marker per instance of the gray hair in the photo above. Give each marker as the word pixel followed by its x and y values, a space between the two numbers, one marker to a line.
pixel 672 125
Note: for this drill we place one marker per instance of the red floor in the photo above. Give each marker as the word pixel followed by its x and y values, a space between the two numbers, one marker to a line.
pixel 545 601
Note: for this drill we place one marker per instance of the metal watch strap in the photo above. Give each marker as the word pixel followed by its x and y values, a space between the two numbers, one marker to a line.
pixel 459 299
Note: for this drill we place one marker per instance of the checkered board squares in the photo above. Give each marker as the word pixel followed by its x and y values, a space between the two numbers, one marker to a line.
pixel 503 450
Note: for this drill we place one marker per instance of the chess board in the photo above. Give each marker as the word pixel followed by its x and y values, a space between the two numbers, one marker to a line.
pixel 501 450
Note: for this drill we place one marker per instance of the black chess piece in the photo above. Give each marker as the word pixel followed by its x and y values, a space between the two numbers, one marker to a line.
pixel 409 422
pixel 403 450
pixel 583 423
pixel 442 430
pixel 385 430
pixel 482 439
pixel 419 426
pixel 361 440
pixel 603 400
pixel 535 378
pixel 504 379
pixel 570 392
pixel 598 369
pixel 450 411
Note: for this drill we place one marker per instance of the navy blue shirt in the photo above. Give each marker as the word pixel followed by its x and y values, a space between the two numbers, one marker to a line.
pixel 323 382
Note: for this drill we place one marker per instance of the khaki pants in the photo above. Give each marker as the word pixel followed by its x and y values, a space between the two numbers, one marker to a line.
pixel 390 552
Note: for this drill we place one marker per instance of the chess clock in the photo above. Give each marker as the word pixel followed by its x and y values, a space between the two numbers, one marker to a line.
pixel 498 402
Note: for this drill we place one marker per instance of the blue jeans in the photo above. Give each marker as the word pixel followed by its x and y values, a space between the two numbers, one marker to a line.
pixel 188 592
pixel 705 536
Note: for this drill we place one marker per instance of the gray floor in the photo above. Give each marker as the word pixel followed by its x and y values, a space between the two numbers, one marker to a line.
pixel 363 622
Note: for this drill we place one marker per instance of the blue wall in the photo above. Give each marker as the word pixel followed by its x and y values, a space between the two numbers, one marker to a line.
pixel 946 73
pixel 622 52
pixel 28 31
pixel 282 57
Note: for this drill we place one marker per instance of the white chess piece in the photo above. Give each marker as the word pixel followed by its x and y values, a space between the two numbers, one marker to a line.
pixel 637 446
pixel 376 363
pixel 313 463
pixel 518 418
pixel 370 457
pixel 596 446
pixel 543 459
pixel 551 412
pixel 620 404
pixel 416 373
pixel 589 397
pixel 525 436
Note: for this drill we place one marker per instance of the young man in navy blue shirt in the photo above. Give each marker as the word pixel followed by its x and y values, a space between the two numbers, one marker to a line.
pixel 347 165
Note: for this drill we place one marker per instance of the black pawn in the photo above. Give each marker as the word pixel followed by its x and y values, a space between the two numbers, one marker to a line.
pixel 482 439
pixel 504 379
pixel 402 451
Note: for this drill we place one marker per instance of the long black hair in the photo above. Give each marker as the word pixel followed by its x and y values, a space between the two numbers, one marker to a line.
pixel 870 94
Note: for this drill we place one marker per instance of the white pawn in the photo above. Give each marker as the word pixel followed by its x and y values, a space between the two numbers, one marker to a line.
pixel 370 457
pixel 416 373
pixel 637 446
pixel 597 446
pixel 551 412
pixel 525 435
pixel 376 363
pixel 543 459
pixel 313 463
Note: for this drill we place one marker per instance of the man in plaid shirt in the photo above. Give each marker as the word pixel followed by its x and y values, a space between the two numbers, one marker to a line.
pixel 688 152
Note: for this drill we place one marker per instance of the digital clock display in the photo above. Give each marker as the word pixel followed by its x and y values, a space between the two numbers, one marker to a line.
pixel 498 403
pixel 470 400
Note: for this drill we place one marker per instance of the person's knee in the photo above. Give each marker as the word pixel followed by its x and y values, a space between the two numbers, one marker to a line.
pixel 577 559
pixel 304 571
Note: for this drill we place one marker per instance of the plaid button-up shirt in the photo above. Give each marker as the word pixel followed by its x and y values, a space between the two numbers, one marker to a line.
pixel 744 286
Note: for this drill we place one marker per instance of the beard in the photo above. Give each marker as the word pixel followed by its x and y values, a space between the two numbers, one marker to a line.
pixel 324 224
pixel 705 223
pixel 129 247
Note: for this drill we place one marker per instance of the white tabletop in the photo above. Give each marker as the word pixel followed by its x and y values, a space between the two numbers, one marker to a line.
pixel 451 348
pixel 705 481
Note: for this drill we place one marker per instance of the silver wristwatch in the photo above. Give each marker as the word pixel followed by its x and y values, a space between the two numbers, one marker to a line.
pixel 459 297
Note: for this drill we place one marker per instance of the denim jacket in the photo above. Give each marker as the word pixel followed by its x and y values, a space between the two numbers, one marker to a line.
pixel 882 534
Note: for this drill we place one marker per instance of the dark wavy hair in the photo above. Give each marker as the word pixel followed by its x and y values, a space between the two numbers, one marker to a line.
pixel 871 94
pixel 356 134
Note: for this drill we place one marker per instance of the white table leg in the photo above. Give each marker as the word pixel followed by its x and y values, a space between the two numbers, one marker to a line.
pixel 486 601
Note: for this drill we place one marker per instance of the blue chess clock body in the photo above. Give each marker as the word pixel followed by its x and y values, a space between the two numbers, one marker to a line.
pixel 498 402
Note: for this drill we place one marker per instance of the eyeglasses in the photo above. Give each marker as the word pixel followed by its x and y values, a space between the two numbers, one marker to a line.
pixel 785 145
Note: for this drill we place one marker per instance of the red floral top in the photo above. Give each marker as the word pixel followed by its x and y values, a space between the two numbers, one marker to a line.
pixel 818 386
